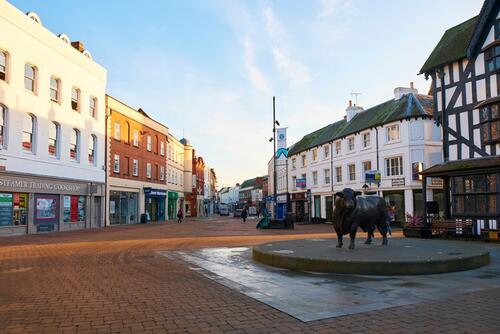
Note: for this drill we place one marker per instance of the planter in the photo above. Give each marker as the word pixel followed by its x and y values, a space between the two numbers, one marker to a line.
pixel 412 232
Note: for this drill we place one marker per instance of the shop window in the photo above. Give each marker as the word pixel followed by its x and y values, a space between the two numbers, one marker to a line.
pixel 492 58
pixel 490 123
pixel 3 125
pixel 394 166
pixel 3 65
pixel 20 209
pixel 92 149
pixel 74 144
pixel 93 107
pixel 75 98
pixel 30 77
pixel 475 194
pixel 73 209
pixel 29 125
pixel 46 207
pixel 53 139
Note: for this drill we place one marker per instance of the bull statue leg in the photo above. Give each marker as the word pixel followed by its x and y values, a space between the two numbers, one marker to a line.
pixel 339 238
pixel 352 235
pixel 370 236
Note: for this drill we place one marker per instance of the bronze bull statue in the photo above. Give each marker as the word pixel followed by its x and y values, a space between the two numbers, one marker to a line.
pixel 353 211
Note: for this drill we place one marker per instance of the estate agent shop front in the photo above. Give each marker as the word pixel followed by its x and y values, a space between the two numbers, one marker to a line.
pixel 32 204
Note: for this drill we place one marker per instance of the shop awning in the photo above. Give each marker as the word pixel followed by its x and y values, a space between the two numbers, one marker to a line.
pixel 467 166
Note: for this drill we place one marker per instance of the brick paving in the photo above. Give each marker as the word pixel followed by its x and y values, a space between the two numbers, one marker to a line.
pixel 113 281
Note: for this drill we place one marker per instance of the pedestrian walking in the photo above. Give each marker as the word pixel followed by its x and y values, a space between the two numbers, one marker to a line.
pixel 244 214
pixel 180 215
pixel 258 213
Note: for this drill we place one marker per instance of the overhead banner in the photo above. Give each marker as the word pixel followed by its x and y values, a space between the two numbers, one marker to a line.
pixel 281 148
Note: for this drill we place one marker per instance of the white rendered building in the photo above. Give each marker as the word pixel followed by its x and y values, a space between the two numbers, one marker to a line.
pixel 52 129
pixel 281 186
pixel 175 176
pixel 394 139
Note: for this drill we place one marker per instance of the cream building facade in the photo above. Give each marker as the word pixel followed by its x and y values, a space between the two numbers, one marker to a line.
pixel 52 108
pixel 175 176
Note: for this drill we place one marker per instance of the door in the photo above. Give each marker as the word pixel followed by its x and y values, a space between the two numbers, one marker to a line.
pixel 96 219
pixel 317 206
pixel 329 208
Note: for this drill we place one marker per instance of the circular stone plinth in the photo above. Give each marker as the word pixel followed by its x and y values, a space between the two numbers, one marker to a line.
pixel 402 256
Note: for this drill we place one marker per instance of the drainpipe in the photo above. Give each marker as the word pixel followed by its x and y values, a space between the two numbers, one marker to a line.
pixel 378 157
pixel 106 117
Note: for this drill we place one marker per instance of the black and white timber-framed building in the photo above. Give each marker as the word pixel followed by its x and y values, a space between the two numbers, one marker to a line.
pixel 465 72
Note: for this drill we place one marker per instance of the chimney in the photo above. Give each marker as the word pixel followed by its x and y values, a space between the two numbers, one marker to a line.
pixel 78 45
pixel 399 92
pixel 352 110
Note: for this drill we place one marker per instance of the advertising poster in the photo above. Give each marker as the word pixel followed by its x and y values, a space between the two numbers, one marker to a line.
pixel 5 209
pixel 74 208
pixel 112 207
pixel 300 183
pixel 46 208
pixel 281 148
pixel 67 208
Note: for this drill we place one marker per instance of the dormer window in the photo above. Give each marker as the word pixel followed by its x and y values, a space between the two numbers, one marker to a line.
pixel 490 123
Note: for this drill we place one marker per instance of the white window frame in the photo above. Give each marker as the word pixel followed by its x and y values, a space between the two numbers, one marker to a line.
pixel 5 68
pixel 338 148
pixel 162 148
pixel 3 126
pixel 33 80
pixel 56 140
pixel 93 109
pixel 294 163
pixel 116 164
pixel 315 154
pixel 349 141
pixel 78 100
pixel 77 145
pixel 364 165
pixel 148 170
pixel 303 158
pixel 56 90
pixel 389 130
pixel 148 143
pixel 294 182
pixel 162 173
pixel 351 173
pixel 117 133
pixel 315 177
pixel 136 138
pixel 135 167
pixel 327 175
pixel 338 176
pixel 366 143
pixel 326 151
pixel 394 169
pixel 93 150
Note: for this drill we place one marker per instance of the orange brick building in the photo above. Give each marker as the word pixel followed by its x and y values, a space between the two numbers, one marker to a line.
pixel 137 165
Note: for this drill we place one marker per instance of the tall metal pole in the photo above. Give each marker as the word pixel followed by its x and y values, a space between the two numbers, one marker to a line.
pixel 274 158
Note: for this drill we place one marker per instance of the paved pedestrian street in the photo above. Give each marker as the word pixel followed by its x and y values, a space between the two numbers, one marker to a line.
pixel 134 279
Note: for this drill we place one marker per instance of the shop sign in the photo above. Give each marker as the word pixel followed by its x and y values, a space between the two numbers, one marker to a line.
pixel 300 183
pixel 416 168
pixel 281 199
pixel 398 182
pixel 173 195
pixel 155 192
pixel 299 196
pixel 5 209
pixel 17 184
pixel 373 176
pixel 436 181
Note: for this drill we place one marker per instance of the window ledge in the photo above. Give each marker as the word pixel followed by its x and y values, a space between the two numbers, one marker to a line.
pixel 365 148
pixel 393 142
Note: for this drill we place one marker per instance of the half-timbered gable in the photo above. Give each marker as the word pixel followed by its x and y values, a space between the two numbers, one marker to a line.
pixel 465 72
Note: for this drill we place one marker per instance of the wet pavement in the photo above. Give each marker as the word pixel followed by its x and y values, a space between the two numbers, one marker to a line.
pixel 313 296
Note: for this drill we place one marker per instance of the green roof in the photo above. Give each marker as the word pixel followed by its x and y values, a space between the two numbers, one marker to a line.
pixel 452 46
pixel 492 162
pixel 408 106
pixel 248 183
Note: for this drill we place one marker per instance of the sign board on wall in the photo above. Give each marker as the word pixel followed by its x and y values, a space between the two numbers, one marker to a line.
pixel 436 181
pixel 300 183
pixel 398 182
pixel 5 209
pixel 373 176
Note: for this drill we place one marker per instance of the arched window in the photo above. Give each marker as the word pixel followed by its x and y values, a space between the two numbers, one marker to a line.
pixel 75 99
pixel 55 89
pixel 29 77
pixel 93 107
pixel 4 58
pixel 28 132
pixel 3 125
pixel 53 138
pixel 92 148
pixel 74 144
pixel 127 133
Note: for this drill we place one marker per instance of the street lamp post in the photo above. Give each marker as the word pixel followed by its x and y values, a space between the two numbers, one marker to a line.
pixel 274 158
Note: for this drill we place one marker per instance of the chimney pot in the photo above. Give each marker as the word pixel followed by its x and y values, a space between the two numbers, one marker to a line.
pixel 350 103
pixel 411 84
pixel 78 45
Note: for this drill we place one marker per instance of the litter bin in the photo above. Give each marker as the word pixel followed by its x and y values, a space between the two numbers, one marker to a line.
pixel 144 218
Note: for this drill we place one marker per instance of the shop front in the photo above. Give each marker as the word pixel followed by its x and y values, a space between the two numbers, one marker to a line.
pixel 300 206
pixel 155 204
pixel 32 204
pixel 281 207
pixel 173 197
pixel 395 200
pixel 123 207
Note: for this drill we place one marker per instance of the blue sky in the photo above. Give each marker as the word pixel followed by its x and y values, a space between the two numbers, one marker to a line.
pixel 210 68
